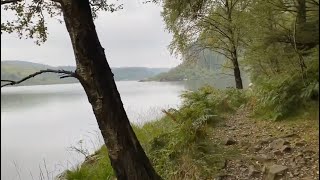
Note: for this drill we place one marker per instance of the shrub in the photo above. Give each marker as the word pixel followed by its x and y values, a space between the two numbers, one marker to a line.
pixel 280 97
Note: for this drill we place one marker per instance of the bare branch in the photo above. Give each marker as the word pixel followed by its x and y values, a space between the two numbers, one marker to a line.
pixel 4 80
pixel 9 1
pixel 65 75
pixel 226 74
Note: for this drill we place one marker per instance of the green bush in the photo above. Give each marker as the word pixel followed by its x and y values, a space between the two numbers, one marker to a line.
pixel 281 97
pixel 179 144
pixel 184 150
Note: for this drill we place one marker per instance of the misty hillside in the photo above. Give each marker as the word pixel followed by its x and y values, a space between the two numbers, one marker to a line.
pixel 15 70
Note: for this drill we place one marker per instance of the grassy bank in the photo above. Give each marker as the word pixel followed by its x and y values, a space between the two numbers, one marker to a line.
pixel 181 146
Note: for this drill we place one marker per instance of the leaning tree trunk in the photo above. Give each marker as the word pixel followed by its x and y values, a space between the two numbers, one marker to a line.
pixel 127 157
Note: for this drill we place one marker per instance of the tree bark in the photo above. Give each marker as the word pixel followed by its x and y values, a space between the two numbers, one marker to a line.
pixel 236 69
pixel 301 13
pixel 127 156
pixel 233 45
pixel 237 74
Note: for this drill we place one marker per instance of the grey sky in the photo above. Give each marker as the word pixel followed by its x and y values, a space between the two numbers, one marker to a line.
pixel 134 36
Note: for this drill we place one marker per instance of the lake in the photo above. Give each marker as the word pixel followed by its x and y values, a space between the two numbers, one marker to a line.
pixel 40 124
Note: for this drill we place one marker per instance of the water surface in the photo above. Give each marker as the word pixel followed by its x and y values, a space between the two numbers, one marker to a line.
pixel 39 124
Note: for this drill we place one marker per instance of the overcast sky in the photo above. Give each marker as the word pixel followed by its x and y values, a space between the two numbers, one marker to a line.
pixel 134 36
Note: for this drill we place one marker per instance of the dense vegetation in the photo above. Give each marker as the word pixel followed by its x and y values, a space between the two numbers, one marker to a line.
pixel 208 66
pixel 16 70
pixel 276 42
pixel 178 144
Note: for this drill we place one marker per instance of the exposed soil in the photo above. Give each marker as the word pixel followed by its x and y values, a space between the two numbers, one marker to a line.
pixel 269 150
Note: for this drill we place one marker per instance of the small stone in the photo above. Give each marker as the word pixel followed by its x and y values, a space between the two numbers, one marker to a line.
pixel 230 141
pixel 292 163
pixel 300 144
pixel 291 135
pixel 290 175
pixel 286 149
pixel 242 169
pixel 278 153
pixel 264 169
pixel 275 170
pixel 278 144
pixel 263 158
pixel 262 142
pixel 308 158
pixel 307 178
pixel 299 154
pixel 253 172
pixel 256 148
pixel 296 173
pixel 309 151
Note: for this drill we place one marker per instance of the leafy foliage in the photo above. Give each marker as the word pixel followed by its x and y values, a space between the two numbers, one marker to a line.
pixel 280 97
pixel 30 16
pixel 179 144
pixel 185 151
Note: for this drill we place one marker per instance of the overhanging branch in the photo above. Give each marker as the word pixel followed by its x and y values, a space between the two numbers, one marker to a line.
pixel 9 1
pixel 64 73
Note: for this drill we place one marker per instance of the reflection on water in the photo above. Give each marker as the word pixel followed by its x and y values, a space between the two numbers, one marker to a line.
pixel 40 123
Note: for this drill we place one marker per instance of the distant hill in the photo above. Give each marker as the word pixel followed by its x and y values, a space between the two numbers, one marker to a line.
pixel 15 70
pixel 208 66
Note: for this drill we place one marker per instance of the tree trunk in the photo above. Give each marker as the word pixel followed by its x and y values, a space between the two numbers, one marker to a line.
pixel 301 13
pixel 127 156
pixel 237 74
pixel 234 44
pixel 236 69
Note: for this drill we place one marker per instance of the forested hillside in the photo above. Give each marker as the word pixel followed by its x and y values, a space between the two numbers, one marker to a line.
pixel 16 70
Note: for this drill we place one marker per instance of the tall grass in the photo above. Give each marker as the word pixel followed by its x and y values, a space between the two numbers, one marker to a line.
pixel 178 144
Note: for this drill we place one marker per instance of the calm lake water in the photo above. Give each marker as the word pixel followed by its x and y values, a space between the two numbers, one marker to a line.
pixel 39 124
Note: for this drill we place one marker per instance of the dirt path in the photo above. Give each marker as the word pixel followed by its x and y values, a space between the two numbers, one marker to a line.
pixel 269 150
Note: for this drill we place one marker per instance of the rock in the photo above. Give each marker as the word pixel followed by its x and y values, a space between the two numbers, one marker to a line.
pixel 264 169
pixel 245 143
pixel 300 144
pixel 242 169
pixel 278 153
pixel 278 144
pixel 307 178
pixel 296 173
pixel 253 172
pixel 309 151
pixel 292 135
pixel 286 149
pixel 275 171
pixel 255 148
pixel 290 175
pixel 230 141
pixel 221 176
pixel 263 158
pixel 262 142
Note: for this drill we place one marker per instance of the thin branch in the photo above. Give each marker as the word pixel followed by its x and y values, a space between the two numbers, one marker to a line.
pixel 4 80
pixel 65 74
pixel 9 1
pixel 226 74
